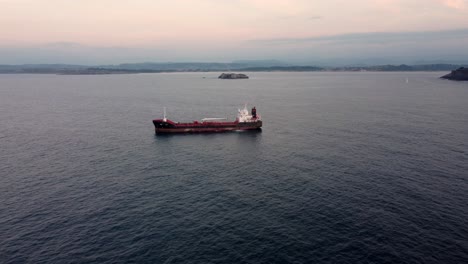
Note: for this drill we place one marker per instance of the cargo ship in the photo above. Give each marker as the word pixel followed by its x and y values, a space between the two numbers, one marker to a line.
pixel 244 121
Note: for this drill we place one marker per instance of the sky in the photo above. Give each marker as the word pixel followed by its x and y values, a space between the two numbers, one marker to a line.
pixel 296 31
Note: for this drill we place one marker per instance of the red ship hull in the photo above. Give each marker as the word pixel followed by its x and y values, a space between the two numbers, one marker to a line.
pixel 168 126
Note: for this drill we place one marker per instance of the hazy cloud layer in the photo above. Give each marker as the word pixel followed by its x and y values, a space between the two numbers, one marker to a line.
pixel 377 37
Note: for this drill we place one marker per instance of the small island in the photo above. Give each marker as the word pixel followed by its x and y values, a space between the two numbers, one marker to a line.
pixel 233 76
pixel 461 74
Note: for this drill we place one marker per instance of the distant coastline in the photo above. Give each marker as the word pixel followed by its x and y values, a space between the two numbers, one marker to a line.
pixel 65 69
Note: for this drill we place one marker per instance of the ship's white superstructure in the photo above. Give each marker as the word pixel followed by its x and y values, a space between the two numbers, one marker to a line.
pixel 243 116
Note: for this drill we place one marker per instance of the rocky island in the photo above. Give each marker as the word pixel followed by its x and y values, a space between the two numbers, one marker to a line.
pixel 233 76
pixel 461 74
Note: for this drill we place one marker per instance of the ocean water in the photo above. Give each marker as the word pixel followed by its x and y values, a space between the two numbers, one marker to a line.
pixel 349 168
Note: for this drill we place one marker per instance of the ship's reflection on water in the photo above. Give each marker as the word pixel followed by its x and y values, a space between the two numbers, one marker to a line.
pixel 234 142
pixel 240 133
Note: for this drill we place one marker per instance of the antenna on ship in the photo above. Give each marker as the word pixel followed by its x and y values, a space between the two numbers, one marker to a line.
pixel 164 119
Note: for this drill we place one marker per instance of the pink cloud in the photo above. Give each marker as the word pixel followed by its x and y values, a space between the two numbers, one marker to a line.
pixel 456 4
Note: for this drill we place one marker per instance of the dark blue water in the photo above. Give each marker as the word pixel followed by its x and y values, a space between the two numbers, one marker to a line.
pixel 349 168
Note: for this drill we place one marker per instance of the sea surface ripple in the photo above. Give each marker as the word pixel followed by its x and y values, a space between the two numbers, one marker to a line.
pixel 349 168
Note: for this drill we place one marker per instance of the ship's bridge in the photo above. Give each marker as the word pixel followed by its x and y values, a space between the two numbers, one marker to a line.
pixel 243 115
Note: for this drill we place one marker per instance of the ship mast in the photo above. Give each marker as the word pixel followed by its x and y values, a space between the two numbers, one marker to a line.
pixel 164 119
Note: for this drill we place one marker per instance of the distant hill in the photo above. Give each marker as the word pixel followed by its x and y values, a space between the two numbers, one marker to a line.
pixel 175 66
pixel 261 63
pixel 150 67
pixel 403 67
pixel 40 68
